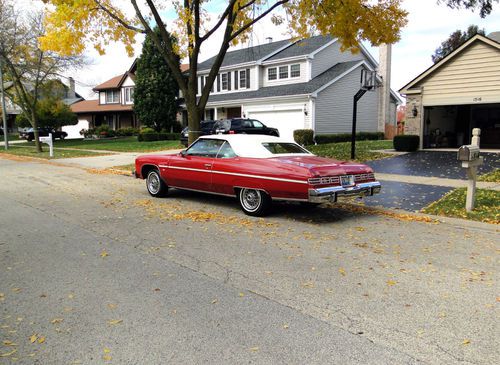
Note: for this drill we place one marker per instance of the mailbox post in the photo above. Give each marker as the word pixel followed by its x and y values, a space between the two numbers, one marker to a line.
pixel 48 140
pixel 470 158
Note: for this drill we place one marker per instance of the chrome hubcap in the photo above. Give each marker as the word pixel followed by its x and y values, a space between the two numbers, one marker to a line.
pixel 153 183
pixel 251 199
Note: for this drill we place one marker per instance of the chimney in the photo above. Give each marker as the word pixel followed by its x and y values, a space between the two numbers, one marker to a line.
pixel 269 39
pixel 384 96
pixel 71 92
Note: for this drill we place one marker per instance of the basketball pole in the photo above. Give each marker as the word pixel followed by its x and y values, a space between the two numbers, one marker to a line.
pixel 358 96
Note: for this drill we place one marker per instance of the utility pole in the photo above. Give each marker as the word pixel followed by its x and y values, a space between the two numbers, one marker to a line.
pixel 4 110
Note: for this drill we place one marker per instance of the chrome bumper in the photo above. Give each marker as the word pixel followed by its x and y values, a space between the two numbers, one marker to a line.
pixel 331 194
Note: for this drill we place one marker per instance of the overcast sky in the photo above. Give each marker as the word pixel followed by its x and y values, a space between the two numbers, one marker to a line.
pixel 428 25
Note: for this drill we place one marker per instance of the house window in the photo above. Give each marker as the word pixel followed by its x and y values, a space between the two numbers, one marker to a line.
pixel 271 73
pixel 129 94
pixel 283 72
pixel 243 79
pixel 224 82
pixel 295 70
pixel 112 96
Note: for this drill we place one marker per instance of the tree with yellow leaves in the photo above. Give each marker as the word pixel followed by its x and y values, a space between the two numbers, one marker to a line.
pixel 72 24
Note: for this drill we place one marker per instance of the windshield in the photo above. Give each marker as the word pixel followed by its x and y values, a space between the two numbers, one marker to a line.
pixel 278 148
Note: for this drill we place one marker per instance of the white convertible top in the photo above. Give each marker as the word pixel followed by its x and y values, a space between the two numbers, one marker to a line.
pixel 250 145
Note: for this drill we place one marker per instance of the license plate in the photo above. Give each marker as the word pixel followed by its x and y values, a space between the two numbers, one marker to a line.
pixel 347 180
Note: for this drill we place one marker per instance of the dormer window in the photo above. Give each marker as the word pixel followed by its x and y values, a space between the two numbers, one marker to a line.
pixel 271 73
pixel 295 70
pixel 112 96
pixel 283 72
pixel 224 82
pixel 243 79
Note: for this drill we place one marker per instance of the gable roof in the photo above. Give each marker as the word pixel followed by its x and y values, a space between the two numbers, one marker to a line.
pixel 477 38
pixel 302 47
pixel 246 55
pixel 302 88
pixel 113 83
pixel 93 106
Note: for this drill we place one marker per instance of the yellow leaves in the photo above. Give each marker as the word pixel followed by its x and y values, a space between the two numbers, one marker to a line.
pixel 308 285
pixel 41 339
pixel 112 306
pixel 2 297
pixel 71 296
pixel 215 301
pixel 104 254
pixel 391 282
pixel 9 343
pixel 113 322
pixel 57 320
pixel 241 295
pixel 466 342
pixel 33 338
pixel 106 356
pixel 254 349
pixel 342 271
pixel 16 290
pixel 7 354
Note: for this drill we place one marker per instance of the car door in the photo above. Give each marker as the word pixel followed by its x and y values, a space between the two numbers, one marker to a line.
pixel 193 168
pixel 225 162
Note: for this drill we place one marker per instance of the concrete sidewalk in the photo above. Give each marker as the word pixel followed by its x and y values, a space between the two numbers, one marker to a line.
pixel 107 161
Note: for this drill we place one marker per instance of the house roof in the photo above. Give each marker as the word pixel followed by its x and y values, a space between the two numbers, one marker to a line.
pixel 93 106
pixel 477 38
pixel 495 36
pixel 302 47
pixel 246 55
pixel 302 88
pixel 113 83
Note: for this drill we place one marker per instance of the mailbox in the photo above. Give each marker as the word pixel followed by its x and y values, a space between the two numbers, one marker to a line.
pixel 468 153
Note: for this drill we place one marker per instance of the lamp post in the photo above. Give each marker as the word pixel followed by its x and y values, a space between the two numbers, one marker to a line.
pixel 4 110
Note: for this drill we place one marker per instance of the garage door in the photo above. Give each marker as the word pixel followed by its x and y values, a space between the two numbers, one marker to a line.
pixel 286 121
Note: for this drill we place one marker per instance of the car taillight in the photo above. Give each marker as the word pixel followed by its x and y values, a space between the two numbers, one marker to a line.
pixel 231 132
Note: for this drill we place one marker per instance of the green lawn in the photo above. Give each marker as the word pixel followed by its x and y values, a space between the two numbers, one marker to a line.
pixel 30 152
pixel 453 205
pixel 342 150
pixel 493 176
pixel 124 144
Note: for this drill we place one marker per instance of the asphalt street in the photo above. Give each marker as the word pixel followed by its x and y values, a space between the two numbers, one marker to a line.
pixel 95 271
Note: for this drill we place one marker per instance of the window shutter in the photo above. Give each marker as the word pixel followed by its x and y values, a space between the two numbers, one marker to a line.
pixel 229 80
pixel 248 78
pixel 236 80
pixel 218 83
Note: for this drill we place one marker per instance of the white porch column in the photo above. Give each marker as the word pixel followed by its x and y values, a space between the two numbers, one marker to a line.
pixel 215 113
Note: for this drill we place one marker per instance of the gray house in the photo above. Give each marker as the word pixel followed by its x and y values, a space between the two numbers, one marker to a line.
pixel 293 85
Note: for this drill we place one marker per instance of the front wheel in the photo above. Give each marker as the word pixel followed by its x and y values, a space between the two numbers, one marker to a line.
pixel 155 184
pixel 254 202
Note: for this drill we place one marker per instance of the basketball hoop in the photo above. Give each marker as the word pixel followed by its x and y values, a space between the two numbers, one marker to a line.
pixel 368 79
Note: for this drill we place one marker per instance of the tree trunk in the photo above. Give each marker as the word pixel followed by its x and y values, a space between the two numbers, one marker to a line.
pixel 194 118
pixel 34 123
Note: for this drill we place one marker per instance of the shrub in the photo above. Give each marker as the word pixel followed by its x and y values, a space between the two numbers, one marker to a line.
pixel 149 134
pixel 346 137
pixel 303 137
pixel 406 143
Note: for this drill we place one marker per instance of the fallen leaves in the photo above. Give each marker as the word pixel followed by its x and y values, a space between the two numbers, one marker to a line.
pixel 36 338
pixel 104 254
pixel 57 320
pixel 391 282
pixel 113 322
pixel 112 306
pixel 254 349
pixel 466 342
pixel 106 356
pixel 342 271
pixel 10 353
pixel 215 301
pixel 9 343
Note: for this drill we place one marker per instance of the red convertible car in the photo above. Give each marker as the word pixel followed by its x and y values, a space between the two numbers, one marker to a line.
pixel 256 169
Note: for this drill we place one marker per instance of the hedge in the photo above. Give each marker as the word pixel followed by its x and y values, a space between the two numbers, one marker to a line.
pixel 304 137
pixel 346 137
pixel 406 143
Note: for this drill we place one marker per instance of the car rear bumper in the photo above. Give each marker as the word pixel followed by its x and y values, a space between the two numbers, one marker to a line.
pixel 331 194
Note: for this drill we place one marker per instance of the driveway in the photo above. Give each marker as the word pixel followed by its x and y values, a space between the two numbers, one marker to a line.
pixel 413 181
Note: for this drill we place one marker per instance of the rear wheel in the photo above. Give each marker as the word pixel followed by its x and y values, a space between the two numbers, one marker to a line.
pixel 155 184
pixel 254 202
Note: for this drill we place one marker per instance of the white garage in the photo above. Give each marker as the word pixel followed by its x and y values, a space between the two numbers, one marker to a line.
pixel 286 121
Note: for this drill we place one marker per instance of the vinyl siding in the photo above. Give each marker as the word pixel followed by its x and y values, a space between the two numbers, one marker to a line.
pixel 289 80
pixel 333 112
pixel 331 55
pixel 472 77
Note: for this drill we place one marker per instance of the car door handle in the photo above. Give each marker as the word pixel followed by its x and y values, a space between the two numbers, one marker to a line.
pixel 208 165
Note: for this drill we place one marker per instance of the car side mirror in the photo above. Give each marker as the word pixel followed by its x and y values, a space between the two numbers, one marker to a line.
pixel 183 153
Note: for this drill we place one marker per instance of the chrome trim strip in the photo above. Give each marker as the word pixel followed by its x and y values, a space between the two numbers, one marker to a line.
pixel 237 174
